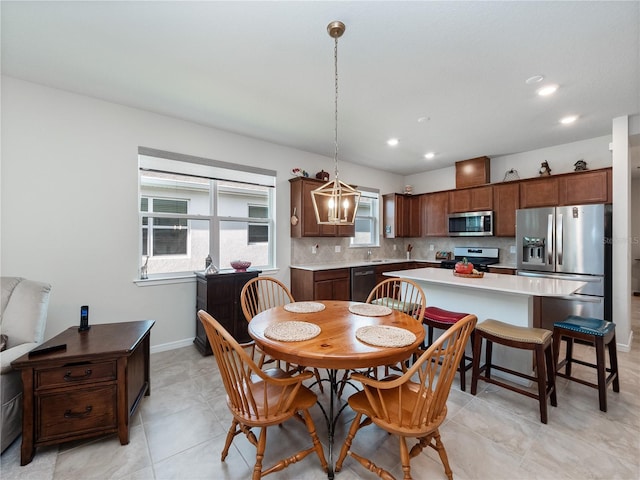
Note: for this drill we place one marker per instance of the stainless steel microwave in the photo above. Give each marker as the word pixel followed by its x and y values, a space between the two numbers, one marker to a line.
pixel 471 224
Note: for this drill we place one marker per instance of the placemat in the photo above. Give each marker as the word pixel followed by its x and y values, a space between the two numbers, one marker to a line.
pixel 292 331
pixel 385 336
pixel 370 310
pixel 304 307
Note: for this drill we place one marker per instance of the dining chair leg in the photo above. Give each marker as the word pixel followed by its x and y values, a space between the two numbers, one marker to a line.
pixel 355 425
pixel 316 441
pixel 262 443
pixel 439 447
pixel 233 431
pixel 404 458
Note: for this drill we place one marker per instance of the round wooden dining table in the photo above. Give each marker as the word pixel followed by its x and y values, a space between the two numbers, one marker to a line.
pixel 336 346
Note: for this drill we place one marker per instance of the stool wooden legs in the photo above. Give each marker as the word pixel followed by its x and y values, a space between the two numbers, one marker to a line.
pixel 601 343
pixel 545 371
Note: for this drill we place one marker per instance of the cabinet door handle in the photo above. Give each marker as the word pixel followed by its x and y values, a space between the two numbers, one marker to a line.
pixel 70 378
pixel 70 414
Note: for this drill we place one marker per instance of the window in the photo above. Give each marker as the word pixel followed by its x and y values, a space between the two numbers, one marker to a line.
pixel 192 207
pixel 367 221
pixel 164 236
pixel 258 232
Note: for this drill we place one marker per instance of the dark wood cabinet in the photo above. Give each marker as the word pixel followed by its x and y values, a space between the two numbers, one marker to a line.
pixel 434 208
pixel 576 188
pixel 584 187
pixel 333 284
pixel 302 208
pixel 219 295
pixel 506 198
pixel 401 215
pixel 541 192
pixel 476 199
pixel 91 388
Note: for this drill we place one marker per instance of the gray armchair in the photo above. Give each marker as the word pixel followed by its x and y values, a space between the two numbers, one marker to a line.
pixel 23 319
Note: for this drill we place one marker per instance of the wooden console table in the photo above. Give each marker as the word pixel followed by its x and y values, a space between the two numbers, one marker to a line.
pixel 91 388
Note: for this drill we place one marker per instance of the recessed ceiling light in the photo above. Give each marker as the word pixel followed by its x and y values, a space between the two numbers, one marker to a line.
pixel 547 90
pixel 423 119
pixel 429 155
pixel 392 142
pixel 534 79
pixel 568 119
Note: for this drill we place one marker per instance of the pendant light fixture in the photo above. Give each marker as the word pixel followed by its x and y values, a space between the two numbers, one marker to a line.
pixel 335 202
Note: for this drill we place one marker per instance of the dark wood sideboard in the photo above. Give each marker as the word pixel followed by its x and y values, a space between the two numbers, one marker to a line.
pixel 219 295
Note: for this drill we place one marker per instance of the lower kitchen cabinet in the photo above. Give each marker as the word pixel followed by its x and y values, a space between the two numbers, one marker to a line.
pixel 219 295
pixel 333 284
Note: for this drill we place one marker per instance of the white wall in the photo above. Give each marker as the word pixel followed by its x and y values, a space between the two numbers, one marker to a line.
pixel 69 201
pixel 635 234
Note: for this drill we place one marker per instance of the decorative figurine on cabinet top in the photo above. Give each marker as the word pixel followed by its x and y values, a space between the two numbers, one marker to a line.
pixel 322 175
pixel 545 169
pixel 580 166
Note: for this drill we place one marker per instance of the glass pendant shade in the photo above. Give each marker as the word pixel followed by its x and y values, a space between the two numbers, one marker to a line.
pixel 335 203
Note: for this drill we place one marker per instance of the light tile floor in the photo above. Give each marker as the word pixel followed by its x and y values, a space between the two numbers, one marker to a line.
pixel 180 429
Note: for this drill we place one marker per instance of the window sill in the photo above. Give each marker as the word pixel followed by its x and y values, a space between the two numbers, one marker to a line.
pixel 184 278
pixel 165 280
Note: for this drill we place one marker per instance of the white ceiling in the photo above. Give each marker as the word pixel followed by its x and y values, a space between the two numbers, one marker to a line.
pixel 265 69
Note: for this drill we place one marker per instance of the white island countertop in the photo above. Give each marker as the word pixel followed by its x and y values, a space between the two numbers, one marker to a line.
pixel 514 284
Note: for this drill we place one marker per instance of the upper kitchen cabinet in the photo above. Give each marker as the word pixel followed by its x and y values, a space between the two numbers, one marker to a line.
pixel 506 198
pixel 434 209
pixel 591 186
pixel 303 222
pixel 476 199
pixel 473 172
pixel 540 192
pixel 585 187
pixel 401 215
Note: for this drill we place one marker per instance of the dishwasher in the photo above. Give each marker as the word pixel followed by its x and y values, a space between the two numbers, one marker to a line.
pixel 363 279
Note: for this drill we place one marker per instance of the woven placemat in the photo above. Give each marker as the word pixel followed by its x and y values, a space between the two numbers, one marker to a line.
pixel 370 310
pixel 304 307
pixel 385 336
pixel 293 331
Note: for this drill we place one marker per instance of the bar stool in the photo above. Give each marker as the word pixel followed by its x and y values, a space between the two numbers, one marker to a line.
pixel 435 317
pixel 599 333
pixel 537 340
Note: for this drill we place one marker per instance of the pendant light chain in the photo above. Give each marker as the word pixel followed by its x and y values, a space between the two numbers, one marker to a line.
pixel 335 65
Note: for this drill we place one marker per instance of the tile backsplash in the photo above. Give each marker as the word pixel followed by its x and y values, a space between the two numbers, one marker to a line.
pixel 301 248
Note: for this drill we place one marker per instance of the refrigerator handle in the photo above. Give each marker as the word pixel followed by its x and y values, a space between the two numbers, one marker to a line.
pixel 550 239
pixel 559 237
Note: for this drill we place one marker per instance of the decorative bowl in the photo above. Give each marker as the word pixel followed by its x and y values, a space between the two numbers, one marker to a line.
pixel 240 265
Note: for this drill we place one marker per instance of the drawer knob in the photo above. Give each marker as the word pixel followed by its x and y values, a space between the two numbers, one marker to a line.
pixel 70 414
pixel 70 378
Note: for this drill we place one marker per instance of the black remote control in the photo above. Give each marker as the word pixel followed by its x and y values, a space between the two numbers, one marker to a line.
pixel 43 350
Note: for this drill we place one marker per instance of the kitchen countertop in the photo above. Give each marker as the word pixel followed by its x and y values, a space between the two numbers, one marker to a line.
pixel 513 284
pixel 356 263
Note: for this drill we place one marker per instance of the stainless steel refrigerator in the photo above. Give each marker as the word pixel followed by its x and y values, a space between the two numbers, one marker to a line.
pixel 572 243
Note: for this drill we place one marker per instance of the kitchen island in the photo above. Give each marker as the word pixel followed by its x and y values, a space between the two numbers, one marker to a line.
pixel 508 298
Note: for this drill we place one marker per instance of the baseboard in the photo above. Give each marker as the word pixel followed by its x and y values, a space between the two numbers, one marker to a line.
pixel 163 347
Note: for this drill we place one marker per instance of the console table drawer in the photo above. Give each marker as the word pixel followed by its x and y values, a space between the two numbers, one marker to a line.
pixel 76 374
pixel 77 411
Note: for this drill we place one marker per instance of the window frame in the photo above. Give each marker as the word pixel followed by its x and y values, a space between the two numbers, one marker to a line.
pixel 219 175
pixel 374 218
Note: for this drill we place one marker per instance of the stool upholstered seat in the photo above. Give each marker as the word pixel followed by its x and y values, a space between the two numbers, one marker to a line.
pixel 514 333
pixel 586 325
pixel 435 317
pixel 537 340
pixel 599 333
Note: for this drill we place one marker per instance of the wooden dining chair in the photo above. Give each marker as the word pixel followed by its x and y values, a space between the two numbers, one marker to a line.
pixel 260 294
pixel 257 400
pixel 398 294
pixel 413 405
